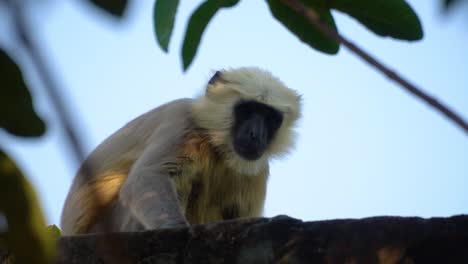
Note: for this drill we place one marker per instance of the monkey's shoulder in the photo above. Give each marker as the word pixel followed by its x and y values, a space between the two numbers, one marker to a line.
pixel 191 153
pixel 197 146
pixel 176 115
pixel 164 125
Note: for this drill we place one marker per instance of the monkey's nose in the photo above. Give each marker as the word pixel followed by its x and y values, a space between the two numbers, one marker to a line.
pixel 252 135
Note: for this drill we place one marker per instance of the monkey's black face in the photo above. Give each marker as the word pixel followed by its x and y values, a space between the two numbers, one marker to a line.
pixel 255 125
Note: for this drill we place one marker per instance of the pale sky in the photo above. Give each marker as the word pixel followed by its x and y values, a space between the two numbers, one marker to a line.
pixel 365 147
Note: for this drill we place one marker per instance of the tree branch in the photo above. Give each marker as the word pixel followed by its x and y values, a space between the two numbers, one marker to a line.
pixel 314 19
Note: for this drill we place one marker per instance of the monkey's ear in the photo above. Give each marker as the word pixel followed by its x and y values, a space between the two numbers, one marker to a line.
pixel 216 78
pixel 214 86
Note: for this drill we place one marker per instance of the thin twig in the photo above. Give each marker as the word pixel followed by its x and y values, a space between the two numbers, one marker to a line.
pixel 50 84
pixel 314 19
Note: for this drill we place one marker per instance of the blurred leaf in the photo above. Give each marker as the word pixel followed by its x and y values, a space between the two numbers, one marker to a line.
pixel 196 26
pixel 163 16
pixel 113 7
pixel 393 18
pixel 2 240
pixel 6 257
pixel 27 237
pixel 17 114
pixel 53 232
pixel 301 27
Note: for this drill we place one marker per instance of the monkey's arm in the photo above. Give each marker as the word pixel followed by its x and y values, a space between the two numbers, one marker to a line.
pixel 149 192
pixel 150 195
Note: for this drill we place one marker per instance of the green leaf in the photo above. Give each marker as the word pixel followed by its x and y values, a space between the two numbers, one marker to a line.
pixel 17 114
pixel 113 7
pixel 301 27
pixel 393 18
pixel 197 24
pixel 164 13
pixel 53 232
pixel 27 236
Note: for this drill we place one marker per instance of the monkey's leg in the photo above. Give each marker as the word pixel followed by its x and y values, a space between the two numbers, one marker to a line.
pixel 151 197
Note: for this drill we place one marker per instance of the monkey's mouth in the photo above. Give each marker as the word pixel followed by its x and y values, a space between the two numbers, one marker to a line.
pixel 248 152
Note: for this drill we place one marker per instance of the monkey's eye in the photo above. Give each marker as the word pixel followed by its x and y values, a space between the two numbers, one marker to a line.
pixel 274 119
pixel 244 111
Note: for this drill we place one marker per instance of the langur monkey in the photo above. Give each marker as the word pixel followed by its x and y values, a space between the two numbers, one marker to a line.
pixel 189 161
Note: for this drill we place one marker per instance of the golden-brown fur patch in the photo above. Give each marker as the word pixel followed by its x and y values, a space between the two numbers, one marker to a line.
pixel 103 189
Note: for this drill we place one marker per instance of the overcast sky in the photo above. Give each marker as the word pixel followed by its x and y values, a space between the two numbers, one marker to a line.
pixel 365 148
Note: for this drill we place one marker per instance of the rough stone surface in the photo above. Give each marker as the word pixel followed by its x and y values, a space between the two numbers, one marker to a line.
pixel 282 240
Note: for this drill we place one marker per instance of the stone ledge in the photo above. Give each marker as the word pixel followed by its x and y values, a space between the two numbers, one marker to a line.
pixel 286 240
